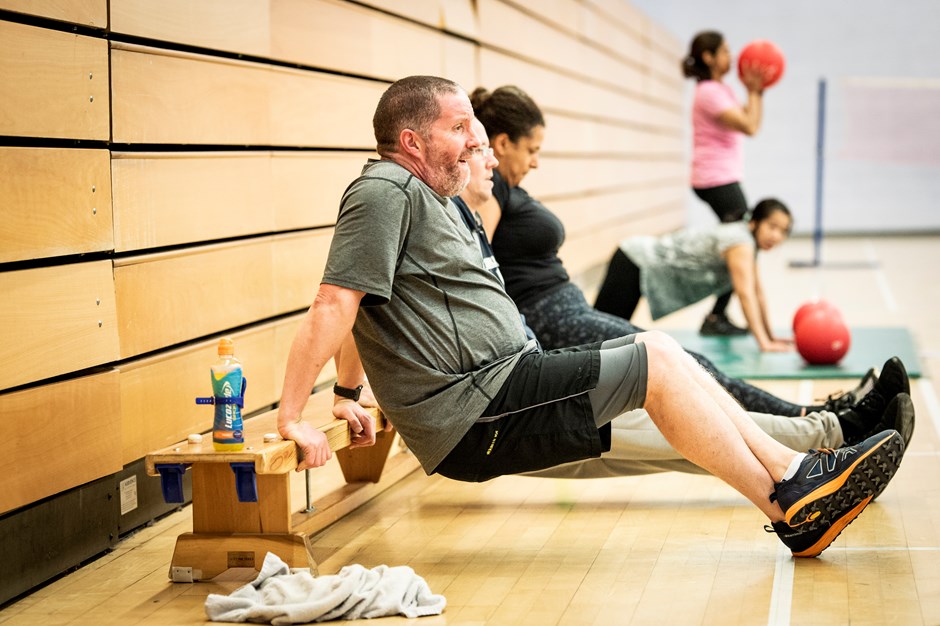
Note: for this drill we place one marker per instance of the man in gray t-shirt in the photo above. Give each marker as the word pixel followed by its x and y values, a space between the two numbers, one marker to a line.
pixel 438 327
pixel 448 360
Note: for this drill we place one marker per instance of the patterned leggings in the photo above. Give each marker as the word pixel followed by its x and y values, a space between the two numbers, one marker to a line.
pixel 563 318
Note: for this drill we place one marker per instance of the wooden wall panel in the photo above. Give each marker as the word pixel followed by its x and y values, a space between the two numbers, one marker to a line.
pixel 81 415
pixel 501 23
pixel 299 260
pixel 461 60
pixel 306 187
pixel 178 98
pixel 572 135
pixel 164 97
pixel 425 11
pixel 54 202
pixel 666 53
pixel 564 15
pixel 311 109
pixel 459 16
pixel 350 38
pixel 52 84
pixel 229 285
pixel 163 299
pixel 623 14
pixel 55 320
pixel 558 177
pixel 85 12
pixel 595 223
pixel 326 34
pixel 582 253
pixel 231 25
pixel 568 94
pixel 164 199
pixel 589 215
pixel 624 41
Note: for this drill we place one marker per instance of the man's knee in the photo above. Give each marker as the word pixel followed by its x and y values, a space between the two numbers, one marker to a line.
pixel 664 358
pixel 660 340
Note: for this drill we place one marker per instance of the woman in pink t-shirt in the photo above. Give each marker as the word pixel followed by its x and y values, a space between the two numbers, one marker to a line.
pixel 718 121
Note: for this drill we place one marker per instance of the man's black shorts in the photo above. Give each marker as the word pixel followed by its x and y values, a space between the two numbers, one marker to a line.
pixel 540 418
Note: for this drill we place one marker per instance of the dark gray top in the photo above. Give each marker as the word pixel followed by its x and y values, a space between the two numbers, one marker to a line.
pixel 436 332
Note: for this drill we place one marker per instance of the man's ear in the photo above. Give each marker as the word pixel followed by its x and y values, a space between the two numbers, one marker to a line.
pixel 411 143
pixel 500 144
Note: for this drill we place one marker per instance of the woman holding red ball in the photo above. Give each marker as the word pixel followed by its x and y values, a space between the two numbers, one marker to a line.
pixel 718 121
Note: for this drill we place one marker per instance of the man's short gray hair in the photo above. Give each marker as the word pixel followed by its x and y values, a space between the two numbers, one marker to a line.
pixel 411 103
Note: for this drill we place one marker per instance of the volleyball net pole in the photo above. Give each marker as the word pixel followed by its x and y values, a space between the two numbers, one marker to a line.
pixel 817 261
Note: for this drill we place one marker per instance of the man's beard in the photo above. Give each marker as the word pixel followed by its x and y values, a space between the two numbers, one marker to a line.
pixel 450 180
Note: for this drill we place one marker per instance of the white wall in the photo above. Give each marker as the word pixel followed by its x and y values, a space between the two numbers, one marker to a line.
pixel 864 189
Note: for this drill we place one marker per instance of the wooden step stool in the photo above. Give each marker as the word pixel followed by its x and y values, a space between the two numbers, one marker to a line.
pixel 241 500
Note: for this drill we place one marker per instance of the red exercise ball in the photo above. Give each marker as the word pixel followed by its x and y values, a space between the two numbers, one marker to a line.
pixel 822 338
pixel 764 53
pixel 808 307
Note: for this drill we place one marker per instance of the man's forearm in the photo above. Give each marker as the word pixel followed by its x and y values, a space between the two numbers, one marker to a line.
pixel 322 331
pixel 349 372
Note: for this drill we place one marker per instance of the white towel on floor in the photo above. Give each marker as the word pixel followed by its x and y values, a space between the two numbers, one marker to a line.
pixel 279 596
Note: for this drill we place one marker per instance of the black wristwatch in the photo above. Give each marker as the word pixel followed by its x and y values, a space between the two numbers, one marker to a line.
pixel 346 392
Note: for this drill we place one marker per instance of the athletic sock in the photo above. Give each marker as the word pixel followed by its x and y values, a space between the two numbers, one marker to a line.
pixel 794 466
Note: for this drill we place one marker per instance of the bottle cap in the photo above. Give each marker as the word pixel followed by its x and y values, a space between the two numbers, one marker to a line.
pixel 226 346
pixel 194 438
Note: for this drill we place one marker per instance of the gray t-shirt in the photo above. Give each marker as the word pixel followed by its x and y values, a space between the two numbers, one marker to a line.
pixel 436 332
pixel 686 266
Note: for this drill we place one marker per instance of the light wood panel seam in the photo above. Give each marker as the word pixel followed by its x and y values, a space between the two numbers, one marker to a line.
pixel 244 61
pixel 51 23
pixel 192 249
pixel 619 220
pixel 611 189
pixel 612 87
pixel 587 41
pixel 656 129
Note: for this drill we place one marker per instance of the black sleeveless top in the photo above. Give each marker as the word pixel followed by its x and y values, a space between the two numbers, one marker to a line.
pixel 526 244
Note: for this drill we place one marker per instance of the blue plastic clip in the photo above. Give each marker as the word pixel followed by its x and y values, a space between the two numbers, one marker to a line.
pixel 246 484
pixel 237 400
pixel 171 481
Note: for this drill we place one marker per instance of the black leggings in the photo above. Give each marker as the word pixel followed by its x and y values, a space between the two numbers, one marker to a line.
pixel 729 204
pixel 561 317
pixel 620 291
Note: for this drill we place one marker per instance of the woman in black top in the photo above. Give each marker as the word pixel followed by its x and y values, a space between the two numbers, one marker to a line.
pixel 526 237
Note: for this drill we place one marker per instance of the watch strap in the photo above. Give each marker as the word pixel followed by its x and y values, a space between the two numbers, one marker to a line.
pixel 346 392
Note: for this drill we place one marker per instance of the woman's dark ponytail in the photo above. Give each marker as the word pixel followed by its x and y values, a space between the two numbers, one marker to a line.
pixel 693 65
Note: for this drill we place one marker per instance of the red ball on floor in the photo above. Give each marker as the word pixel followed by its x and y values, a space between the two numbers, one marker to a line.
pixel 822 338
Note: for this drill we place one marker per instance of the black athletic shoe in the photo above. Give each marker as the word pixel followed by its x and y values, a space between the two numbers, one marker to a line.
pixel 809 541
pixel 830 484
pixel 720 326
pixel 899 416
pixel 865 415
pixel 846 400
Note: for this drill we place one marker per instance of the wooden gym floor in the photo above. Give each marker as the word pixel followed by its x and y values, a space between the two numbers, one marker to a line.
pixel 667 548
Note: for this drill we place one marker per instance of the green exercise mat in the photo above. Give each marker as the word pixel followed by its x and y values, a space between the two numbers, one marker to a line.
pixel 740 358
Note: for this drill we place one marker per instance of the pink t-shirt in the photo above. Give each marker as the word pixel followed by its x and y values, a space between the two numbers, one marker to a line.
pixel 716 149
